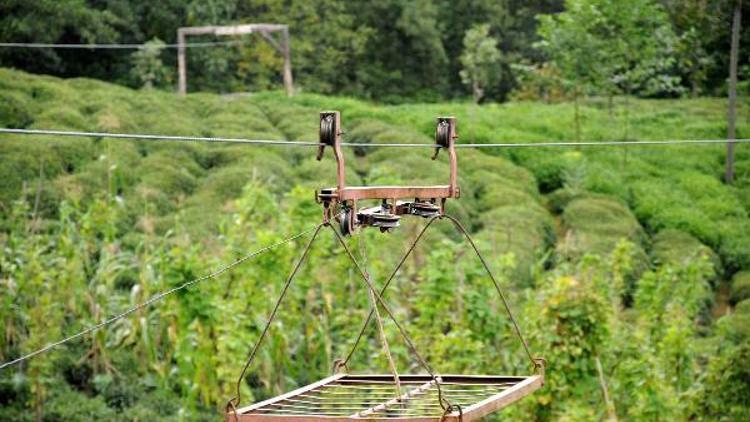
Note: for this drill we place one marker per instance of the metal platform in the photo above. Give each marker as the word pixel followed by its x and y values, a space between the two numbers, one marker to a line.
pixel 346 397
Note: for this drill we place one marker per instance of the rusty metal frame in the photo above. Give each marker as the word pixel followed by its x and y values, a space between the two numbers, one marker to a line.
pixel 348 196
pixel 486 402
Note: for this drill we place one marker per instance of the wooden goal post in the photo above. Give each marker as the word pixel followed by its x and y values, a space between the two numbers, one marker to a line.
pixel 264 29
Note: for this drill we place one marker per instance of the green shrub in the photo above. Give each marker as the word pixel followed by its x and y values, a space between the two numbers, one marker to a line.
pixel 14 110
pixel 525 230
pixel 548 166
pixel 726 393
pixel 677 247
pixel 742 307
pixel 594 225
pixel 172 173
pixel 69 405
pixel 740 287
pixel 559 199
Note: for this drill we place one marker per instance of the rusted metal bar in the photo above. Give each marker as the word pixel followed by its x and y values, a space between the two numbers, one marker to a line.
pixel 424 201
pixel 319 401
pixel 395 401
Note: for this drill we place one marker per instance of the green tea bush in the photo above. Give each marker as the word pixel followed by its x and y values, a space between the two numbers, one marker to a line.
pixel 70 405
pixel 596 225
pixel 173 173
pixel 675 247
pixel 547 165
pixel 294 121
pixel 726 394
pixel 14 110
pixel 735 243
pixel 27 161
pixel 742 307
pixel 559 199
pixel 740 287
pixel 138 217
pixel 524 231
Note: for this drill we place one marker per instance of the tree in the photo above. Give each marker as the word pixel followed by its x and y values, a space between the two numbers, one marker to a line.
pixel 148 67
pixel 480 60
pixel 612 48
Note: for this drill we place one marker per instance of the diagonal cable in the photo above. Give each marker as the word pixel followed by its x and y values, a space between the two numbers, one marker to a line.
pixel 154 299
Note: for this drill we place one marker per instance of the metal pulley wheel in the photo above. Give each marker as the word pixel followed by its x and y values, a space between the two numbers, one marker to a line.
pixel 327 130
pixel 385 221
pixel 345 222
pixel 424 209
pixel 442 136
pixel 327 134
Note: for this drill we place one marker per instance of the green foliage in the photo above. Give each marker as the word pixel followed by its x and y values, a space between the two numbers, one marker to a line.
pixel 740 287
pixel 14 111
pixel 539 83
pixel 658 346
pixel 595 225
pixel 612 47
pixel 148 68
pixel 674 247
pixel 725 396
pixel 575 320
pixel 389 50
pixel 479 60
pixel 118 221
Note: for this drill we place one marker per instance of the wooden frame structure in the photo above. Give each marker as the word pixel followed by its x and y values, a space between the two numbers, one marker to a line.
pixel 264 29
pixel 345 397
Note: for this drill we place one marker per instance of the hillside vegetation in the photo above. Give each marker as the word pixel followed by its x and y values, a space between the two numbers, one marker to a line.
pixel 609 253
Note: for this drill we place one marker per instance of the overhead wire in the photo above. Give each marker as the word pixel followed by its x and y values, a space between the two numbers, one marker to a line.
pixel 94 46
pixel 362 144
pixel 144 137
pixel 154 299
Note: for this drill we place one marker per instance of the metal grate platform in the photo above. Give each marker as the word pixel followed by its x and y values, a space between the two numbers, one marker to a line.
pixel 346 397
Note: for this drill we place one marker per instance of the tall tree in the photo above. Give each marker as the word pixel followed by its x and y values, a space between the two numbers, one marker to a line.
pixel 611 48
pixel 731 114
pixel 480 60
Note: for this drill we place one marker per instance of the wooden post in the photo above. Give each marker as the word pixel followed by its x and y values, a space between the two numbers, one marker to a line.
pixel 731 113
pixel 288 82
pixel 605 391
pixel 263 29
pixel 181 64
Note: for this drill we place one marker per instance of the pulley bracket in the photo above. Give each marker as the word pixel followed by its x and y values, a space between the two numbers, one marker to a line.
pixel 424 201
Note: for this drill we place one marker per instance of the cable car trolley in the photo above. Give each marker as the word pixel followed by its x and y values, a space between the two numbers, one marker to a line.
pixel 345 396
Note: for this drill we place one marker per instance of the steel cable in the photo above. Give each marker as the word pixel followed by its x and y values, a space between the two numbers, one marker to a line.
pixel 235 401
pixel 383 289
pixel 499 290
pixel 444 403
pixel 364 144
pixel 154 299
pixel 81 46
pixel 144 137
